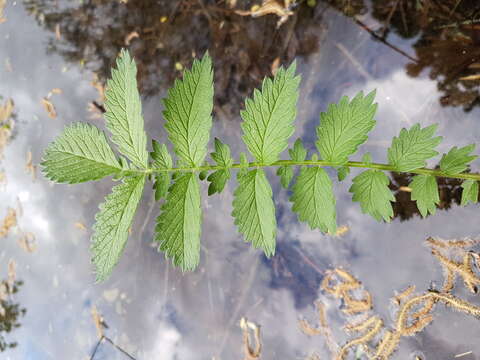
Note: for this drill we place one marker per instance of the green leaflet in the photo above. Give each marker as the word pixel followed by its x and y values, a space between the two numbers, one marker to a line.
pixel 179 223
pixel 112 224
pixel 456 160
pixel 124 111
pixel 345 126
pixel 188 112
pixel 286 175
pixel 469 192
pixel 342 172
pixel 297 153
pixel 370 188
pixel 411 149
pixel 313 199
pixel 254 211
pixel 425 193
pixel 161 160
pixel 80 154
pixel 219 178
pixel 269 116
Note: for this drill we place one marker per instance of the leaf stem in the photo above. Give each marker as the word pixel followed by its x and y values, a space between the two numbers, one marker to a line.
pixel 356 164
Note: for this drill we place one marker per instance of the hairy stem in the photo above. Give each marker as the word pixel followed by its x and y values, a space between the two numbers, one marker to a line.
pixel 356 164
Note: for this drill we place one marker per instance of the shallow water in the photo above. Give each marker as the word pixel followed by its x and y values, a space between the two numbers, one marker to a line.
pixel 152 310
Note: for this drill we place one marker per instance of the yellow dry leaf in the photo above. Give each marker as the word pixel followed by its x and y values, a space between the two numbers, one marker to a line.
pixel 6 124
pixel 99 86
pixel 163 19
pixel 9 221
pixel 6 110
pixel 29 167
pixel 251 352
pixel 269 7
pixel 27 242
pixel 50 108
pixel 275 65
pixel 342 230
pixel 11 274
pixel 80 226
pixel 97 320
pixel 470 77
pixel 2 7
pixel 130 37
pixel 178 66
pixel 58 35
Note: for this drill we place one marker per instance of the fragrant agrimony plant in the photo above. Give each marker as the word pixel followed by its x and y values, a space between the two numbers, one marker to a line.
pixel 82 153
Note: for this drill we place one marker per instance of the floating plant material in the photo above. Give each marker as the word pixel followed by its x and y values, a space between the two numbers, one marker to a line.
pixel 415 311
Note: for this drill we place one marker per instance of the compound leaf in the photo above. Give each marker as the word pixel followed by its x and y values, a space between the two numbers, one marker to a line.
pixel 411 149
pixel 179 223
pixel 161 160
pixel 113 223
pixel 313 199
pixel 345 126
pixel 269 116
pixel 254 211
pixel 469 192
pixel 370 188
pixel 425 193
pixel 124 111
pixel 188 112
pixel 456 160
pixel 219 178
pixel 80 154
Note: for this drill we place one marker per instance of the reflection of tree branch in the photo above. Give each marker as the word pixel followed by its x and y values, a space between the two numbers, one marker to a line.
pixel 382 40
pixel 106 338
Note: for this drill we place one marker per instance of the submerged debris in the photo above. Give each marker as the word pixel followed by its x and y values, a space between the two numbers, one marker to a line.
pixel 50 108
pixel 251 351
pixel 6 124
pixel 2 7
pixel 274 7
pixel 9 221
pixel 415 310
pixel 27 242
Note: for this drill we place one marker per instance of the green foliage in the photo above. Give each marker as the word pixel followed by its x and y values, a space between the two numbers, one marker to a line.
pixel 342 172
pixel 188 112
pixel 82 153
pixel 344 127
pixel 411 149
pixel 178 226
pixel 297 153
pixel 425 193
pixel 113 223
pixel 268 117
pixel 254 211
pixel 219 178
pixel 456 160
pixel 124 111
pixel 161 160
pixel 469 192
pixel 370 189
pixel 313 199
